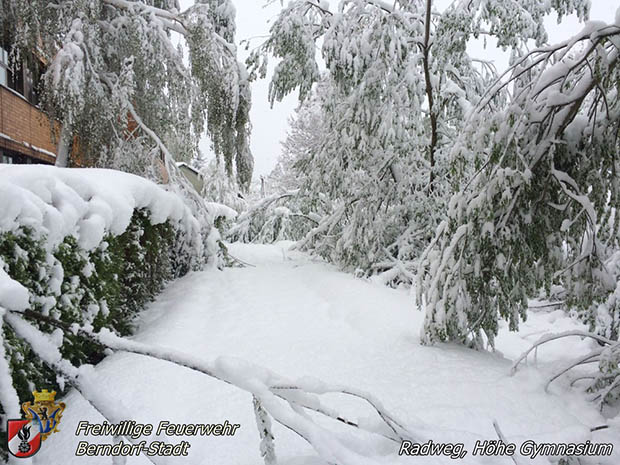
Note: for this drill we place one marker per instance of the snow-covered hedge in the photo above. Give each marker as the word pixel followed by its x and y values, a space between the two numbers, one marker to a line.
pixel 87 247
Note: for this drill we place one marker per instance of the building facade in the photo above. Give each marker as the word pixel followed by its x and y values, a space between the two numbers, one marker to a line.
pixel 25 131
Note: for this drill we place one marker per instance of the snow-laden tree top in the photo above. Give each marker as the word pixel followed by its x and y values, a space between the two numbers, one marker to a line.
pixel 541 210
pixel 117 77
pixel 398 85
pixel 350 30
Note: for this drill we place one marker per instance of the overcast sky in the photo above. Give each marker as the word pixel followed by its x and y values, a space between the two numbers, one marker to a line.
pixel 270 125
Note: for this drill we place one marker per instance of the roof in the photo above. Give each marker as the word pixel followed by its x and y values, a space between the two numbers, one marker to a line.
pixel 182 164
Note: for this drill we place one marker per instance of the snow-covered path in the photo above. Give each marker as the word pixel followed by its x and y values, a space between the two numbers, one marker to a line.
pixel 303 318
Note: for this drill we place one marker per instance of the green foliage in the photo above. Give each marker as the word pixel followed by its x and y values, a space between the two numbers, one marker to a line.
pixel 105 287
pixel 121 81
pixel 397 86
pixel 540 214
pixel 607 383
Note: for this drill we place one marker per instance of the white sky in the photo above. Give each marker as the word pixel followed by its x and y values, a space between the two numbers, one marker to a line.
pixel 270 125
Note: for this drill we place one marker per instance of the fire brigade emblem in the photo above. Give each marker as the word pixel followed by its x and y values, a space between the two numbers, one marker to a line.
pixel 42 417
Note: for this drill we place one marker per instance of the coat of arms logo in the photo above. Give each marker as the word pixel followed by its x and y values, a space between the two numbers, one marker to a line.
pixel 42 417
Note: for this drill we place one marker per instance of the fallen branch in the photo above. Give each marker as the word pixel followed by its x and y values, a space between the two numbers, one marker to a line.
pixel 592 357
pixel 503 439
pixel 268 390
pixel 267 448
pixel 49 354
pixel 550 304
pixel 602 381
pixel 552 337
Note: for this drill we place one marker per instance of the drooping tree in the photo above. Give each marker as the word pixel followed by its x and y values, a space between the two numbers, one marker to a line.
pixel 399 84
pixel 117 78
pixel 541 211
pixel 303 139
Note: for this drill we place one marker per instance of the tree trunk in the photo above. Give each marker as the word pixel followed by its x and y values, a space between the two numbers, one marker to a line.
pixel 64 145
pixel 429 93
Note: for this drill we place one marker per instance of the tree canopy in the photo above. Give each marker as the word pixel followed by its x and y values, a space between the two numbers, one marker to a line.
pixel 397 87
pixel 482 189
pixel 135 80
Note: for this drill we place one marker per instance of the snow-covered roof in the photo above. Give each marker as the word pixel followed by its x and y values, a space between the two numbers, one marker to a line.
pixel 182 164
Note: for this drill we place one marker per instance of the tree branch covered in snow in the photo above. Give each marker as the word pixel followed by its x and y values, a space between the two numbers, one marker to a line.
pixel 273 218
pixel 604 383
pixel 544 196
pixel 111 62
pixel 398 85
pixel 81 378
pixel 263 422
pixel 286 401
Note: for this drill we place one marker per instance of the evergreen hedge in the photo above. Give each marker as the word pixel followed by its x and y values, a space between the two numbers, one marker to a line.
pixel 104 287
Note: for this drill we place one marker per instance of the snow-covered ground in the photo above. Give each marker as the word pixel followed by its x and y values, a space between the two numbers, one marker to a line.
pixel 300 317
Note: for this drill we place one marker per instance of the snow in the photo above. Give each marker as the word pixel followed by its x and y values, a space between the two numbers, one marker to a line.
pixel 40 342
pixel 39 149
pixel 84 203
pixel 219 210
pixel 183 164
pixel 4 136
pixel 13 295
pixel 324 329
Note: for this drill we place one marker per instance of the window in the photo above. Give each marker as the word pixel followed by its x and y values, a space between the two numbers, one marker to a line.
pixel 7 159
pixel 16 77
pixel 4 66
pixel 21 78
pixel 11 74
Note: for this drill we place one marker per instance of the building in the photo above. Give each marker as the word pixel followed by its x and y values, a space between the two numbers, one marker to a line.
pixel 192 175
pixel 26 135
pixel 25 131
